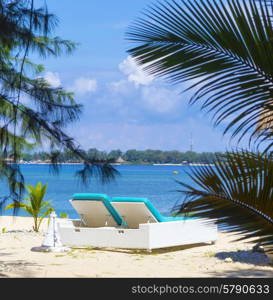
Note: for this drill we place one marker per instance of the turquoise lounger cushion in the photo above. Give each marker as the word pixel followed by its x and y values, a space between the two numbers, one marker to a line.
pixel 104 198
pixel 150 206
pixel 90 196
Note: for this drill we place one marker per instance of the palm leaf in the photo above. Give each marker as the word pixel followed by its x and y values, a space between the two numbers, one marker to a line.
pixel 237 193
pixel 225 46
pixel 16 205
pixel 36 206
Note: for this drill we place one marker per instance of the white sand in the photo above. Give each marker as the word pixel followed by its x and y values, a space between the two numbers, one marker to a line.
pixel 17 259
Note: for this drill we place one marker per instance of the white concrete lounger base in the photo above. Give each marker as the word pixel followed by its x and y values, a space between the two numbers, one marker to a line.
pixel 148 236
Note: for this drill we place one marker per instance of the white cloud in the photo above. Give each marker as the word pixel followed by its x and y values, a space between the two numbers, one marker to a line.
pixel 85 85
pixel 53 79
pixel 122 87
pixel 135 73
pixel 140 93
pixel 161 100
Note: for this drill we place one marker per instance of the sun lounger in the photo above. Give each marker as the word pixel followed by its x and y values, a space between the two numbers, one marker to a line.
pixel 139 225
pixel 96 210
pixel 136 211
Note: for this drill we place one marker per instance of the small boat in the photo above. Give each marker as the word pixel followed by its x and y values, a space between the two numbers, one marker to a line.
pixel 175 172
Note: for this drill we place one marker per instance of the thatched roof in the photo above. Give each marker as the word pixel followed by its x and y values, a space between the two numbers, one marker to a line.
pixel 120 160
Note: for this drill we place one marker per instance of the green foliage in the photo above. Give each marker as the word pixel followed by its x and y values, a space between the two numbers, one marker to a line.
pixel 114 154
pixel 237 194
pixel 64 215
pixel 223 48
pixel 131 156
pixel 35 205
pixel 33 113
pixel 158 156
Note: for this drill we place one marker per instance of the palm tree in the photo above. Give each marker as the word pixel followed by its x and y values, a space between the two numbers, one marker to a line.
pixel 41 120
pixel 236 192
pixel 35 204
pixel 226 48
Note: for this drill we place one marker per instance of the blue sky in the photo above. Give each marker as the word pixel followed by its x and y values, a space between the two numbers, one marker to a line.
pixel 124 108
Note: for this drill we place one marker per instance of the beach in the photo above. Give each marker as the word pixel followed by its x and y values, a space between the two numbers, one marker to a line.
pixel 226 258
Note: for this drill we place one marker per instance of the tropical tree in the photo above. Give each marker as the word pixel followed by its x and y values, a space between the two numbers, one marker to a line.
pixel 224 46
pixel 114 154
pixel 34 114
pixel 225 49
pixel 35 204
pixel 237 194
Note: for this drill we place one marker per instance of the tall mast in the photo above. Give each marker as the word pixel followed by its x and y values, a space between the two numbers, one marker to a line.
pixel 191 143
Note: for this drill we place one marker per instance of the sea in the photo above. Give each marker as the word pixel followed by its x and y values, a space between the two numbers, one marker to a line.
pixel 158 183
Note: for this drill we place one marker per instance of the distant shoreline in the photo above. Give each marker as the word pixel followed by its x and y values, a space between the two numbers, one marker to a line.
pixel 189 164
pixel 124 164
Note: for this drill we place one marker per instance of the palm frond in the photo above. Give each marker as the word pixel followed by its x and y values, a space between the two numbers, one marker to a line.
pixel 237 193
pixel 224 46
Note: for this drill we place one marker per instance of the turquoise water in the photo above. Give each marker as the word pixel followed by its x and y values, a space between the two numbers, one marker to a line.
pixel 156 183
